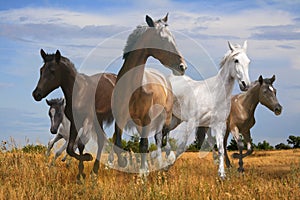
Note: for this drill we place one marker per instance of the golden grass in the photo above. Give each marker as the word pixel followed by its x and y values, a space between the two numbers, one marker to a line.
pixel 268 175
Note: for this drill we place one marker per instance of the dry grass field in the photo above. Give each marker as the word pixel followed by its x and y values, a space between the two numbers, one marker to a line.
pixel 268 175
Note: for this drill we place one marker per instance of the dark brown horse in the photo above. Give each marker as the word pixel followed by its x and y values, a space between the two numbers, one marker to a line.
pixel 143 97
pixel 88 99
pixel 241 118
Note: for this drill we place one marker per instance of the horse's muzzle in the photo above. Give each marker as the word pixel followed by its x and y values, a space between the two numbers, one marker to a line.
pixel 37 95
pixel 53 130
pixel 278 109
pixel 243 86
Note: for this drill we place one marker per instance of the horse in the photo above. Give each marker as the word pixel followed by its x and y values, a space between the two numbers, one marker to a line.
pixel 241 118
pixel 145 98
pixel 60 125
pixel 207 103
pixel 88 99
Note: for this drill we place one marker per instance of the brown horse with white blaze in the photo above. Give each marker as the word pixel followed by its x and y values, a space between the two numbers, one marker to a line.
pixel 88 99
pixel 143 97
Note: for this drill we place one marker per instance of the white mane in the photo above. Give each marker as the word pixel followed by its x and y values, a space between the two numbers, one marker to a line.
pixel 132 38
pixel 230 54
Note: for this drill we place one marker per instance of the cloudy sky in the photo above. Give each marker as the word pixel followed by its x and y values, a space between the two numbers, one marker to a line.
pixel 93 33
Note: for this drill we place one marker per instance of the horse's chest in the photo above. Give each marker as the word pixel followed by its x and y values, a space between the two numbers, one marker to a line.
pixel 246 124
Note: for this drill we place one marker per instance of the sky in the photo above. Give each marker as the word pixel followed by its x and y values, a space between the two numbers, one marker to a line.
pixel 92 34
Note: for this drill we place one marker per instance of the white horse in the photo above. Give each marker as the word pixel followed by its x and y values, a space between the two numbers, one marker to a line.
pixel 207 102
pixel 60 125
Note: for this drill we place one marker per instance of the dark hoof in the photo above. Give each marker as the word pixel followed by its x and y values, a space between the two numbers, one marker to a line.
pixel 80 177
pixel 87 157
pixel 122 162
pixel 241 170
pixel 236 155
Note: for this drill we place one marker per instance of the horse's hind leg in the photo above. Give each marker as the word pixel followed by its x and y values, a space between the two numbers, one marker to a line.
pixel 100 141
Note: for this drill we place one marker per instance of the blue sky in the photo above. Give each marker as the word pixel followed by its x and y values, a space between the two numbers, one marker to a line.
pixel 81 29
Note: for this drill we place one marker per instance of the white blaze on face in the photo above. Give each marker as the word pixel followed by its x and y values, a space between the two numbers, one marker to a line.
pixel 52 112
pixel 271 88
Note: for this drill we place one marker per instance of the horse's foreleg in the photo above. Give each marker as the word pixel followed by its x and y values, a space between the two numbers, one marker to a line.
pixel 59 152
pixel 158 140
pixel 52 142
pixel 240 144
pixel 143 150
pixel 70 147
pixel 220 132
pixel 228 164
pixel 247 138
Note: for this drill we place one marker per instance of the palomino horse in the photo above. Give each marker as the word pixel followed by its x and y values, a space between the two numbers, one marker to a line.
pixel 207 103
pixel 241 118
pixel 60 125
pixel 88 98
pixel 145 97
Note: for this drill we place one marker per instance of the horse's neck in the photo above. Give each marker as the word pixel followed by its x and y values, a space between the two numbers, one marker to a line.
pixel 135 65
pixel 250 99
pixel 224 82
pixel 65 126
pixel 68 82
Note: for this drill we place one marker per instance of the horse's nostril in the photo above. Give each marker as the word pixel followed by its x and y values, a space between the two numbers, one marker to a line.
pixel 182 67
pixel 244 84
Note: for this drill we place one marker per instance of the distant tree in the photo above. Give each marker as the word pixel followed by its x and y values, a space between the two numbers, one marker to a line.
pixel 232 145
pixel 282 146
pixel 264 146
pixel 294 140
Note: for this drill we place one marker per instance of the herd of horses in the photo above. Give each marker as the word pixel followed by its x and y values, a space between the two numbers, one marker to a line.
pixel 150 101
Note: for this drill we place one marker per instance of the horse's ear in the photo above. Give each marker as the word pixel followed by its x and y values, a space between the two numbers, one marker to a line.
pixel 231 47
pixel 43 54
pixel 149 21
pixel 260 79
pixel 48 102
pixel 272 79
pixel 165 19
pixel 245 45
pixel 57 56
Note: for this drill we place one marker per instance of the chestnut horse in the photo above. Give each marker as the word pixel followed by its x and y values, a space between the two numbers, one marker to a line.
pixel 145 98
pixel 88 99
pixel 241 118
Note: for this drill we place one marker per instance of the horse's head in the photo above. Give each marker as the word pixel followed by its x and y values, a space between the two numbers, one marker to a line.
pixel 56 113
pixel 240 62
pixel 267 95
pixel 50 75
pixel 157 41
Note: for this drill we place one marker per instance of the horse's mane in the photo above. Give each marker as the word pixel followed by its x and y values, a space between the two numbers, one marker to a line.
pixel 132 38
pixel 66 61
pixel 230 54
pixel 55 101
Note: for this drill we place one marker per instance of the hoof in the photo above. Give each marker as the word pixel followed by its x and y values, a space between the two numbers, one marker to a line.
pixel 87 157
pixel 171 158
pixel 122 162
pixel 241 170
pixel 79 177
pixel 144 172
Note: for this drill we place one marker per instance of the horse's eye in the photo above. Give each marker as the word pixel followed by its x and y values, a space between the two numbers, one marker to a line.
pixel 236 61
